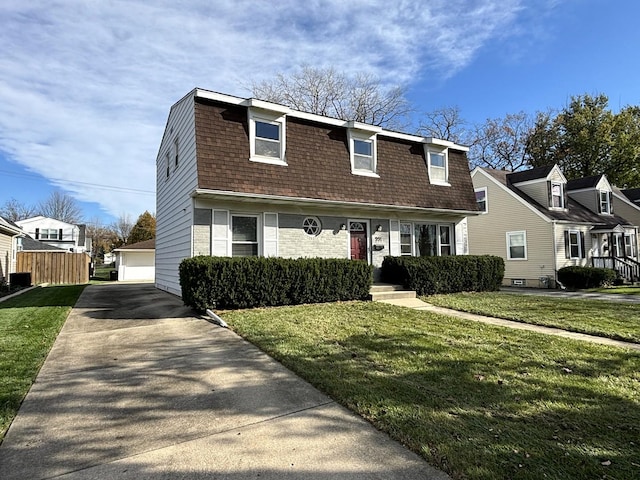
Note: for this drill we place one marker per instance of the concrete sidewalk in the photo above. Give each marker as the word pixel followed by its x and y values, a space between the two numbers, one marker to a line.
pixel 136 387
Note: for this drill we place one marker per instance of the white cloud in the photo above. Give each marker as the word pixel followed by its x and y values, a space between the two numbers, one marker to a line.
pixel 87 86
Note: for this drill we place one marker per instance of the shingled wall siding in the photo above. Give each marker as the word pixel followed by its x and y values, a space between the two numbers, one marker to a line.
pixel 319 166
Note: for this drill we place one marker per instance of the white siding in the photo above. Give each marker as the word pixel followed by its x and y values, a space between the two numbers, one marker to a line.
pixel 174 207
pixel 136 266
pixel 506 213
pixel 6 256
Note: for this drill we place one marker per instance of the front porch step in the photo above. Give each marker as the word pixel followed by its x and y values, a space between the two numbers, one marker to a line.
pixel 380 292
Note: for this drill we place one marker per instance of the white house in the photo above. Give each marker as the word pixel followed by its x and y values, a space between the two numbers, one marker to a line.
pixel 57 233
pixel 244 177
pixel 136 262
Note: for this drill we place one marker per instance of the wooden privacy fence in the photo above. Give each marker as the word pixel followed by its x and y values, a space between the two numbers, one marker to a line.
pixel 54 267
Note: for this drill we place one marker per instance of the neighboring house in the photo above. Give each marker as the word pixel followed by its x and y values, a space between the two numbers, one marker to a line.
pixel 626 203
pixel 244 177
pixel 57 233
pixel 9 233
pixel 136 262
pixel 539 222
pixel 109 258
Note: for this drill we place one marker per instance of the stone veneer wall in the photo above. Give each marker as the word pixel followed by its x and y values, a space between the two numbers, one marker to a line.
pixel 293 242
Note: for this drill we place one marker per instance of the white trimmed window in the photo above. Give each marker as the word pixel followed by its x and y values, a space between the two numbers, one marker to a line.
pixel 48 234
pixel 444 243
pixel 574 244
pixel 517 245
pixel 244 236
pixel 557 195
pixel 605 201
pixel 406 239
pixel 437 160
pixel 481 199
pixel 176 152
pixel 362 149
pixel 267 137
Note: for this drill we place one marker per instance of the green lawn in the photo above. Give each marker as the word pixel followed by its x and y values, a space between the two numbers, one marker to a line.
pixel 29 324
pixel 478 401
pixel 622 290
pixel 620 321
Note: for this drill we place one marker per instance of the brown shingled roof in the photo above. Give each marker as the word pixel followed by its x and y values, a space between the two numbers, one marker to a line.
pixel 145 245
pixel 318 164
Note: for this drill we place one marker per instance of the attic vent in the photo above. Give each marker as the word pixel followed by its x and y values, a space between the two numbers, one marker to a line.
pixel 518 282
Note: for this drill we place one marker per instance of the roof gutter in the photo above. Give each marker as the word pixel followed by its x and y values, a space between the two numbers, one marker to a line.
pixel 282 199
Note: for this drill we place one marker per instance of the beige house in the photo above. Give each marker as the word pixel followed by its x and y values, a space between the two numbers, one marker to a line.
pixel 9 232
pixel 626 203
pixel 539 222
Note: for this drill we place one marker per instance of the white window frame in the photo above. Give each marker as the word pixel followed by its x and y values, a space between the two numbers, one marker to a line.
pixel 451 240
pixel 629 247
pixel 45 234
pixel 561 186
pixel 176 160
pixel 605 203
pixel 411 240
pixel 508 238
pixel 486 199
pixel 577 244
pixel 273 119
pixel 366 137
pixel 439 244
pixel 433 169
pixel 258 232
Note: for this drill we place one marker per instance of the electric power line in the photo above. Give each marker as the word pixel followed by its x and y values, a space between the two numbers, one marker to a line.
pixel 112 188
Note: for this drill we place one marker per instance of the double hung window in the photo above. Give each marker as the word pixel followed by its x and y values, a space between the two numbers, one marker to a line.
pixel 244 236
pixel 517 245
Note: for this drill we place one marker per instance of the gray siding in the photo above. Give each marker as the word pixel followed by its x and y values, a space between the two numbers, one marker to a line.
pixel 174 208
pixel 6 257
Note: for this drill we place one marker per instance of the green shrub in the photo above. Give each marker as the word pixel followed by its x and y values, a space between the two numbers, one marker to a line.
pixel 430 275
pixel 586 277
pixel 248 282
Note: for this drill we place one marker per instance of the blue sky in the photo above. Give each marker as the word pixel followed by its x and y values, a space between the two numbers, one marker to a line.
pixel 86 86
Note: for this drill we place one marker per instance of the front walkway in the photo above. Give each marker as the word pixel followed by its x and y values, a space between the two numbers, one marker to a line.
pixel 418 304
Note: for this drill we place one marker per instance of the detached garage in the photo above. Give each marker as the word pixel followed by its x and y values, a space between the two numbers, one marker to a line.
pixel 136 262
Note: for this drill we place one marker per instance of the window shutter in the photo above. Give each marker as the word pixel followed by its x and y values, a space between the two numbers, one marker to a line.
pixel 583 248
pixel 567 253
pixel 270 248
pixel 610 195
pixel 60 234
pixel 394 240
pixel 37 233
pixel 220 233
pixel 565 198
pixel 599 202
pixel 550 204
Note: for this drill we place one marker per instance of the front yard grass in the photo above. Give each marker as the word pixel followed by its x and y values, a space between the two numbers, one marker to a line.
pixel 476 400
pixel 29 324
pixel 620 321
pixel 621 290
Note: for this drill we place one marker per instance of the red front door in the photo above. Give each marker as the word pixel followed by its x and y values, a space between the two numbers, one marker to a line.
pixel 358 233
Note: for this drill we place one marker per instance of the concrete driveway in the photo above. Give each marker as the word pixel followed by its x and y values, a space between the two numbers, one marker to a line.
pixel 138 387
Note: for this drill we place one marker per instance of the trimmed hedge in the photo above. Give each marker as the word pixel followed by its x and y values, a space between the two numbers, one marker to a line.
pixel 247 282
pixel 586 277
pixel 450 274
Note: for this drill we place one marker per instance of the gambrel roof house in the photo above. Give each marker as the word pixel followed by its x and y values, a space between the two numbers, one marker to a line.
pixel 238 177
pixel 539 222
pixel 56 233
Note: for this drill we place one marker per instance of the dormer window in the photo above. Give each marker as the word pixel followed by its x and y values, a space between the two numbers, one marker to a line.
pixel 267 136
pixel 438 166
pixel 605 201
pixel 557 195
pixel 362 151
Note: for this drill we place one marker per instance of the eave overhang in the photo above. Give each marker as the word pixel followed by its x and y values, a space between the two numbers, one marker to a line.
pixel 316 202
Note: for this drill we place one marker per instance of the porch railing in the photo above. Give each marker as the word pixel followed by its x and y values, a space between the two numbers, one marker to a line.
pixel 627 268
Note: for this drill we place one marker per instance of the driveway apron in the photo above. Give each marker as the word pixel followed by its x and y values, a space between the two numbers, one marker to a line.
pixel 137 386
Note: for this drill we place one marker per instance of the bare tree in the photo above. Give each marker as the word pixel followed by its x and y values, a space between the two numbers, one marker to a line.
pixel 103 238
pixel 122 229
pixel 324 91
pixel 501 143
pixel 446 123
pixel 14 210
pixel 62 207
